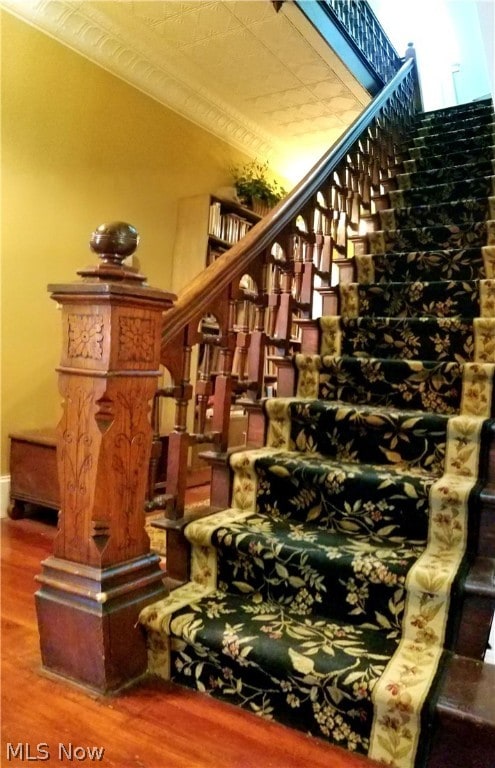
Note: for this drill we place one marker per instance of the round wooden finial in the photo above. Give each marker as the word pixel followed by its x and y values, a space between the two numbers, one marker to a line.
pixel 114 242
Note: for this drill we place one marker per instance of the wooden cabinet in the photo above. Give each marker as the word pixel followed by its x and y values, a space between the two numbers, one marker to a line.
pixel 33 471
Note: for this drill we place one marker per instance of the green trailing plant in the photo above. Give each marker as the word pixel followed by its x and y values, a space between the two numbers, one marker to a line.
pixel 252 183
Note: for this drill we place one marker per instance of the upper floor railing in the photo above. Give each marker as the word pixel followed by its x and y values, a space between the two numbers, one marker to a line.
pixel 363 27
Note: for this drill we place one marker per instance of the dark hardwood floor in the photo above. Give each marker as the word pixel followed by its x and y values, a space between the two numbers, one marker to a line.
pixel 152 725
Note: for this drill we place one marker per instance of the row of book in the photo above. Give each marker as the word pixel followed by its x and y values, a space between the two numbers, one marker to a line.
pixel 227 226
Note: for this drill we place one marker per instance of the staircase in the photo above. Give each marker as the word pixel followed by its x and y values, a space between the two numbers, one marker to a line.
pixel 327 597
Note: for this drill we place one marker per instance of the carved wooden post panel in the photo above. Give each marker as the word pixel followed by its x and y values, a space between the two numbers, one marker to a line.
pixel 102 573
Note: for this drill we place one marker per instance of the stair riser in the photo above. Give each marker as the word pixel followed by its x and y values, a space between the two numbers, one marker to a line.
pixel 446 174
pixel 346 588
pixel 446 388
pixel 435 238
pixel 470 127
pixel 453 264
pixel 273 693
pixel 410 338
pixel 455 159
pixel 448 299
pixel 462 212
pixel 365 435
pixel 402 387
pixel 341 497
pixel 443 193
pixel 427 147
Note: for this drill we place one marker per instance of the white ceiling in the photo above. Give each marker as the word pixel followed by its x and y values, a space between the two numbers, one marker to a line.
pixel 264 81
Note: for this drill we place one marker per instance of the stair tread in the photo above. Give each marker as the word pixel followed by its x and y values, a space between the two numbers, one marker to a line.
pixel 437 212
pixel 447 298
pixel 446 387
pixel 443 191
pixel 446 173
pixel 448 338
pixel 416 264
pixel 338 573
pixel 305 666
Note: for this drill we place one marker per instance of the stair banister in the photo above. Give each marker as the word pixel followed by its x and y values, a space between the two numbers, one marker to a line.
pixel 197 295
pixel 311 226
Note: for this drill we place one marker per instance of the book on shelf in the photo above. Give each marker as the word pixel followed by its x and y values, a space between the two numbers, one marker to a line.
pixel 214 251
pixel 214 225
pixel 227 225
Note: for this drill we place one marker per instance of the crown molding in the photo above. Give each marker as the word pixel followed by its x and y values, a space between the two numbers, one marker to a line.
pixel 85 29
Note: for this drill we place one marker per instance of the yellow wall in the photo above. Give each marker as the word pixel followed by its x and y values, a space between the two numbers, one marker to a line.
pixel 79 147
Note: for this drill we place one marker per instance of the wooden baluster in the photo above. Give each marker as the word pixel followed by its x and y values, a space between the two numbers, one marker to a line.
pixel 318 235
pixel 310 257
pixel 282 326
pixel 179 440
pixel 297 266
pixel 375 160
pixel 242 311
pixel 222 404
pixel 327 247
pixel 354 211
pixel 273 299
pixel 256 354
pixel 366 181
pixel 156 448
pixel 203 391
pixel 341 239
pixel 222 395
pixel 102 572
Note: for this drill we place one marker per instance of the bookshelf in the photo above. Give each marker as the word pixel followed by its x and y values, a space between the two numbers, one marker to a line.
pixel 207 226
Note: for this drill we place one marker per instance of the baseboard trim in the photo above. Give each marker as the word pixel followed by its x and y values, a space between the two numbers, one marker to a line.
pixel 4 495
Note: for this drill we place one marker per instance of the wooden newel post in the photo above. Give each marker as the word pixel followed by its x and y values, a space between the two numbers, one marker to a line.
pixel 102 573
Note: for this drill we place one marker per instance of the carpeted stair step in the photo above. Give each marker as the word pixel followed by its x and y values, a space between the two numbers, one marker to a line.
pixel 465 189
pixel 468 126
pixel 448 264
pixel 434 132
pixel 434 237
pixel 340 574
pixel 358 433
pixel 456 115
pixel 424 338
pixel 452 212
pixel 426 385
pixel 426 147
pixel 482 125
pixel 309 673
pixel 484 166
pixel 452 159
pixel 453 298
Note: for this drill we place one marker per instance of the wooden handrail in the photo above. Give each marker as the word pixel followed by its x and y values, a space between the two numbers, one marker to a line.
pixel 194 299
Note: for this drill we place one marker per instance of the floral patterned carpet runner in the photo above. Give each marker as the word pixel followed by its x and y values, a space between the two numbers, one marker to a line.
pixel 324 598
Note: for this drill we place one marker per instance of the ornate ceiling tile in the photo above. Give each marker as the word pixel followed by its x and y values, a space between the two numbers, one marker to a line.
pixel 258 79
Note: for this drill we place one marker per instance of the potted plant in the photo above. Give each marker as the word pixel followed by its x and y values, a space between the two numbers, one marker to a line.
pixel 254 189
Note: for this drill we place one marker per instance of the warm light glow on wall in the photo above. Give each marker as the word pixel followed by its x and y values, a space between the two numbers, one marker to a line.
pixel 295 161
pixel 296 167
